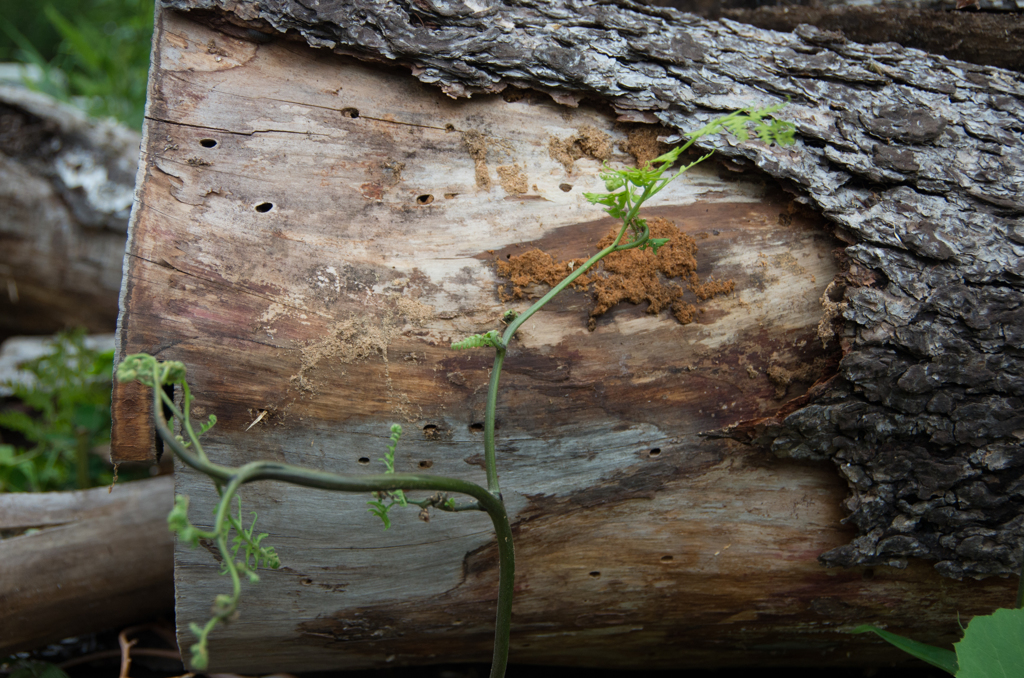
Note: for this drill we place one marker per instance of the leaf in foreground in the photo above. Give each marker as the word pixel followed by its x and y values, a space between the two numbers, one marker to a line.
pixel 936 656
pixel 993 646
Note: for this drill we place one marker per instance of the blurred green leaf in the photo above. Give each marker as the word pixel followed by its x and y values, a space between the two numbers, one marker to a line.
pixel 936 656
pixel 993 646
pixel 64 413
pixel 36 669
pixel 92 54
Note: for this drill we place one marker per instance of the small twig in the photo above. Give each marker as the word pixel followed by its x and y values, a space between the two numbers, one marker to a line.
pixel 255 421
pixel 126 646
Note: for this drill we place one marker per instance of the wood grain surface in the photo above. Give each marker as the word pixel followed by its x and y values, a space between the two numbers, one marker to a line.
pixel 311 234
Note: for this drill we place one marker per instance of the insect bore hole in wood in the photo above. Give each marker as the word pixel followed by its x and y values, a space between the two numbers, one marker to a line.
pixel 654 452
pixel 424 199
pixel 476 427
pixel 350 112
pixel 426 463
pixel 264 207
pixel 565 187
pixel 666 559
pixel 208 143
pixel 595 574
pixel 364 460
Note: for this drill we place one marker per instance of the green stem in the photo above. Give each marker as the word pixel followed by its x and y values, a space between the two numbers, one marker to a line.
pixel 272 470
pixel 499 356
pixel 458 508
pixel 569 279
pixel 490 463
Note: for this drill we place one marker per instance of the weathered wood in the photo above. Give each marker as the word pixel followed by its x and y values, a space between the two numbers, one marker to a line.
pixel 98 560
pixel 917 161
pixel 65 192
pixel 312 232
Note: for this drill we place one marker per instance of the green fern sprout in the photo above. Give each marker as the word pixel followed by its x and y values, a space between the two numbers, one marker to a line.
pixel 491 338
pixel 629 188
pixel 378 507
pixel 254 556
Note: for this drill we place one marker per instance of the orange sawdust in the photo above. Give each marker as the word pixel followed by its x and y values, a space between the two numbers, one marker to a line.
pixel 633 275
pixel 712 288
pixel 588 141
pixel 642 143
pixel 536 266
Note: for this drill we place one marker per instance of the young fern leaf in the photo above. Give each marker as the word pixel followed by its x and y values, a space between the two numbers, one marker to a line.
pixel 491 338
pixel 205 426
pixel 179 524
pixel 378 507
pixel 255 556
pixel 629 188
pixel 778 132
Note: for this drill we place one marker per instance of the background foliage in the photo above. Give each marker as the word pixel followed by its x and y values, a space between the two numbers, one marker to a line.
pixel 93 53
pixel 65 414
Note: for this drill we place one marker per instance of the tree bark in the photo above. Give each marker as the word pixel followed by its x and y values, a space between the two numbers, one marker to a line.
pixel 96 560
pixel 314 231
pixel 65 192
pixel 981 38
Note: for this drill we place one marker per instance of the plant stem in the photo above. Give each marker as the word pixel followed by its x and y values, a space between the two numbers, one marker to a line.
pixel 490 463
pixel 569 279
pixel 272 470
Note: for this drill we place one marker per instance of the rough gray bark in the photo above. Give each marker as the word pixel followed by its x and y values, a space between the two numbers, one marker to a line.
pixel 715 7
pixel 65 191
pixel 918 160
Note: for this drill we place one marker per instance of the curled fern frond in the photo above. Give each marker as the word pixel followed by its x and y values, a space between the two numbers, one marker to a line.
pixel 205 426
pixel 141 367
pixel 179 524
pixel 491 338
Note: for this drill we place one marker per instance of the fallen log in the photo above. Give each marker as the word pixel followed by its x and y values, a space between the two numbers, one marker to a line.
pixel 313 231
pixel 78 562
pixel 66 186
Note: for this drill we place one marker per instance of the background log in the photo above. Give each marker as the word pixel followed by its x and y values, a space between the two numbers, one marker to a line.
pixel 65 191
pixel 312 232
pixel 94 560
